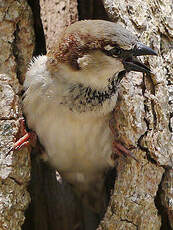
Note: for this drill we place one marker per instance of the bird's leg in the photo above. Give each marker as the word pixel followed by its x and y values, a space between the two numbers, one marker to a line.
pixel 26 138
pixel 118 148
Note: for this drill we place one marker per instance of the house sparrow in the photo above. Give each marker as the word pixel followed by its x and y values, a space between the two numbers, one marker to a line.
pixel 70 94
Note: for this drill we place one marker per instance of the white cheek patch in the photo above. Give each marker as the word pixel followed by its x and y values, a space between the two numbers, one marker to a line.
pixel 84 61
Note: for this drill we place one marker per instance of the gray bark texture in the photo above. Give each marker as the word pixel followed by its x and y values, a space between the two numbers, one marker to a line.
pixel 142 197
pixel 16 47
pixel 56 15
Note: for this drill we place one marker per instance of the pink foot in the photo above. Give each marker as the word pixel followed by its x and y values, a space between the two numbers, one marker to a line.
pixel 118 148
pixel 26 138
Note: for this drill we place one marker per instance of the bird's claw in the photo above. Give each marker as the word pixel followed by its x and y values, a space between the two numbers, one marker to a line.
pixel 27 138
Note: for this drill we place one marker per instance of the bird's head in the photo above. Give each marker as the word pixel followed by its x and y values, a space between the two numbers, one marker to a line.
pixel 95 53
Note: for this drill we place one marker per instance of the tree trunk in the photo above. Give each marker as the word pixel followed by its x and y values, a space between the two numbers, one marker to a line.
pixel 16 47
pixel 142 195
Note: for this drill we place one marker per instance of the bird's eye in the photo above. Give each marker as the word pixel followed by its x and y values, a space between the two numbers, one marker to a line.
pixel 115 51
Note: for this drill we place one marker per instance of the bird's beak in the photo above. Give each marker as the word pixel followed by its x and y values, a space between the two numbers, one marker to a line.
pixel 130 61
pixel 141 49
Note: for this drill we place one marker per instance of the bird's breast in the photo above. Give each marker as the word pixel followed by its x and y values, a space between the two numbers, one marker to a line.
pixel 75 143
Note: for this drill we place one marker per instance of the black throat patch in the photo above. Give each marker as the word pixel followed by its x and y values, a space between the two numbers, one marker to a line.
pixel 82 98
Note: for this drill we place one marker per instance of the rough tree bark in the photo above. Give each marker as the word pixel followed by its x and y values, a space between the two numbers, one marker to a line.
pixel 56 15
pixel 16 47
pixel 143 192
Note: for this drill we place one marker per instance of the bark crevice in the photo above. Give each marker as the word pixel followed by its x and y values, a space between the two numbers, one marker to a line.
pixel 15 51
pixel 40 41
pixel 163 212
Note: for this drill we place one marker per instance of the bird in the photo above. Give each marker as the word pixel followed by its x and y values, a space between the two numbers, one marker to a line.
pixel 70 95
